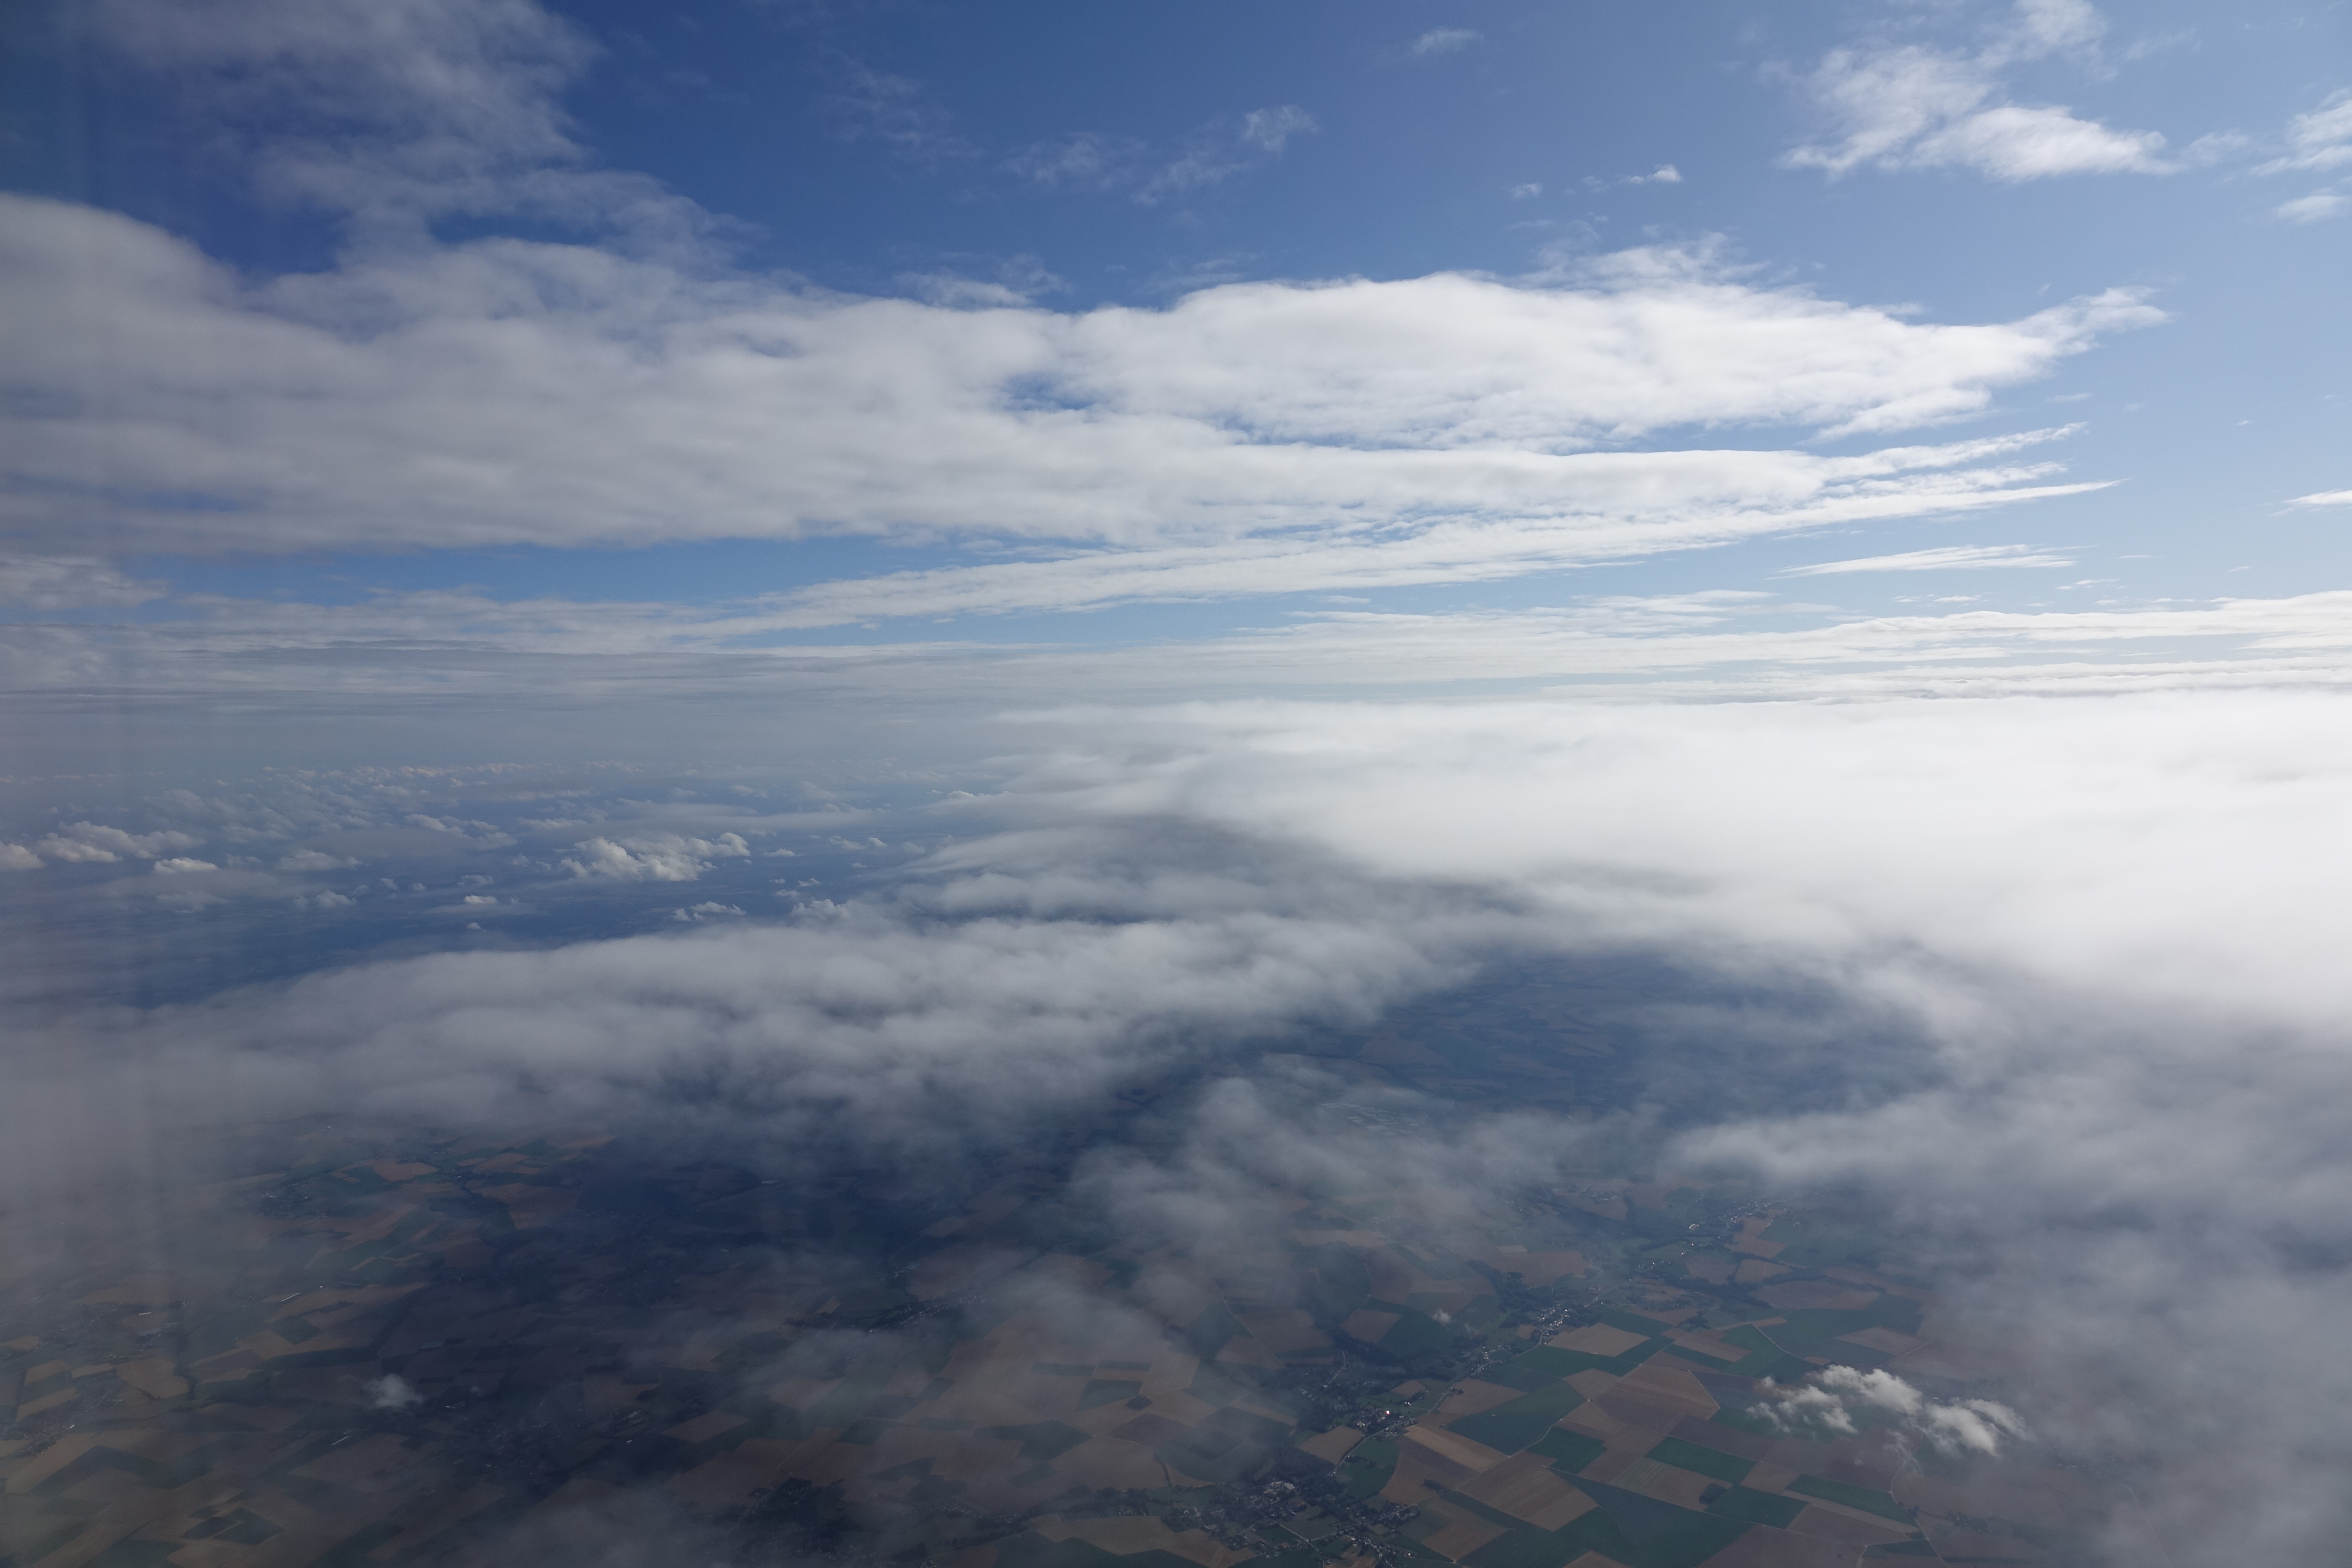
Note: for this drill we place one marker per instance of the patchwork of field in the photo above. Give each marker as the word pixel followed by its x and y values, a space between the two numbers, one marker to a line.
pixel 454 1351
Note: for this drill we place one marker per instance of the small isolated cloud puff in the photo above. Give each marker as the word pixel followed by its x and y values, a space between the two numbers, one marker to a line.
pixel 1829 1398
pixel 393 1391
pixel 180 864
pixel 1947 558
pixel 657 858
pixel 1272 129
pixel 1912 107
pixel 2324 498
pixel 1444 41
pixel 2016 143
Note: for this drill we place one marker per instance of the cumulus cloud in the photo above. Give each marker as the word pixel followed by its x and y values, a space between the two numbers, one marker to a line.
pixel 1913 106
pixel 657 858
pixel 312 860
pixel 93 842
pixel 393 1391
pixel 1827 1399
pixel 16 858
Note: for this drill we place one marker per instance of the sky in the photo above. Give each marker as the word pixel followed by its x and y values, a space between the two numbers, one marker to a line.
pixel 907 560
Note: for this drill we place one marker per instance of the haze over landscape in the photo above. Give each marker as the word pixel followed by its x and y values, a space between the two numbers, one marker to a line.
pixel 1311 784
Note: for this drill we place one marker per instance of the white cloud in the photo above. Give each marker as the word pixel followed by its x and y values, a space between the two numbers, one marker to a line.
pixel 1444 41
pixel 74 851
pixel 95 843
pixel 1428 429
pixel 1704 645
pixel 1632 506
pixel 2069 971
pixel 1946 558
pixel 393 1391
pixel 180 864
pixel 312 860
pixel 2319 140
pixel 1959 1427
pixel 2324 498
pixel 1915 107
pixel 845 1020
pixel 2313 208
pixel 16 858
pixel 1272 129
pixel 655 857
pixel 570 398
pixel 70 581
pixel 2014 142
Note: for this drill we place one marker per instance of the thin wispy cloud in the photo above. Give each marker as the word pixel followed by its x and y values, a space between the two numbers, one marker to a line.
pixel 633 402
pixel 1943 559
pixel 2316 207
pixel 1444 41
pixel 2318 140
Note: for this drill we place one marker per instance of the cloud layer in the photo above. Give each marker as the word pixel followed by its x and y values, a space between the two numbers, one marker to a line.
pixel 564 396
pixel 2051 981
